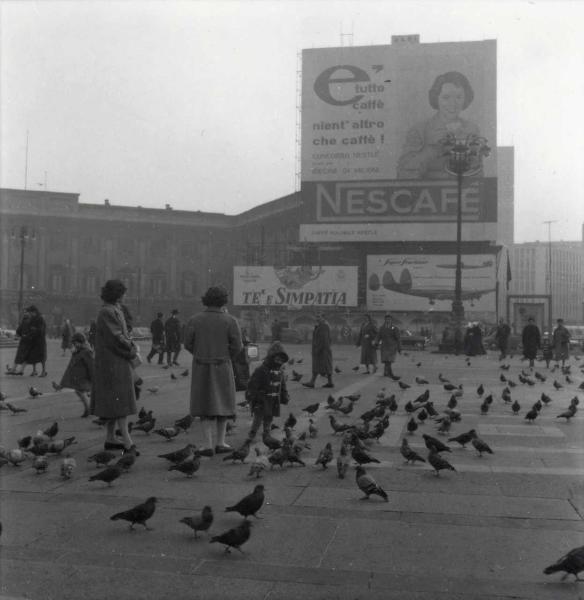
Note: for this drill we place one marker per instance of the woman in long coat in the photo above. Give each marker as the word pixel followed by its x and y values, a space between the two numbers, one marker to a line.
pixel 561 342
pixel 112 392
pixel 322 356
pixel 531 340
pixel 388 339
pixel 214 339
pixel 32 346
pixel 367 341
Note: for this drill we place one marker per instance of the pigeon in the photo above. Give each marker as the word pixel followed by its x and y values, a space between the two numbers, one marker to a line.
pixel 14 409
pixel 16 456
pixel 337 370
pixel 240 454
pixel 368 485
pixel 259 465
pixel 356 368
pixel 108 475
pixel 505 367
pixel 422 416
pixel 531 415
pixel 325 456
pixel 452 402
pixel 464 438
pixel 179 456
pixel 444 426
pixel 361 457
pixel 250 504
pixel 421 381
pixel 146 426
pixel 572 563
pixel 438 463
pixel 291 361
pixel 24 442
pixel 154 389
pixel 422 397
pixel 40 464
pixel 311 408
pixel 481 446
pixel 485 408
pixel 184 423
pixel 128 459
pixel 410 455
pixel 511 383
pixel 556 384
pixel 290 421
pixel 442 378
pixel 68 465
pixel 506 396
pixel 502 378
pixel 234 538
pixel 450 387
pixel 201 522
pixel 403 386
pixel 167 432
pixel 338 427
pixel 481 390
pixel 33 392
pixel 189 466
pixel 568 414
pixel 173 377
pixel 435 444
pixel 139 514
pixel 412 426
pixel 342 462
pixel 52 431
pixel 278 457
pixel 102 458
pixel 271 442
pixel 545 399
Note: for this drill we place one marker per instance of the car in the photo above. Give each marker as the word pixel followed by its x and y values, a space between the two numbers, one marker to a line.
pixel 141 333
pixel 411 340
pixel 576 336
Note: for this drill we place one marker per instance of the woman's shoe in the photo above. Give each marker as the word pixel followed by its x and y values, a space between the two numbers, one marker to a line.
pixel 114 446
pixel 43 374
pixel 308 385
pixel 223 449
pixel 206 452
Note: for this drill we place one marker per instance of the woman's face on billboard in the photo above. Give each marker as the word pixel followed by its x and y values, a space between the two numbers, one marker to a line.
pixel 450 101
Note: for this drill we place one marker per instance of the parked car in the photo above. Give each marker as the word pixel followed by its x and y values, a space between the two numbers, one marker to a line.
pixel 141 333
pixel 576 336
pixel 411 340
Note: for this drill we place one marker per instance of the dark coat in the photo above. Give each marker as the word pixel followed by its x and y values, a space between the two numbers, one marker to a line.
pixel 266 389
pixel 66 335
pixel 172 331
pixel 32 346
pixel 79 372
pixel 502 336
pixel 112 391
pixel 322 356
pixel 367 340
pixel 561 342
pixel 388 338
pixel 157 331
pixel 214 339
pixel 531 340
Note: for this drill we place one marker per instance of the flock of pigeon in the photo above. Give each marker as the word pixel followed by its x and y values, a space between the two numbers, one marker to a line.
pixel 357 434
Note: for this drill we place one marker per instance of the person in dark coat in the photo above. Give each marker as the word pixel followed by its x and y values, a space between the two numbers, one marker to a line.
pixel 531 340
pixel 241 364
pixel 67 332
pixel 79 372
pixel 389 340
pixel 172 333
pixel 91 333
pixel 502 338
pixel 366 340
pixel 276 331
pixel 475 340
pixel 322 356
pixel 561 342
pixel 32 345
pixel 214 339
pixel 158 340
pixel 112 390
pixel 266 391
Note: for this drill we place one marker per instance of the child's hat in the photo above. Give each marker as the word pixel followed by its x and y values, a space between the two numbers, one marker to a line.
pixel 277 348
pixel 78 337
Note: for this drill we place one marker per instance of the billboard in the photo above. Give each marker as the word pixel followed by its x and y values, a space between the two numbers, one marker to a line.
pixel 414 282
pixel 377 114
pixel 290 286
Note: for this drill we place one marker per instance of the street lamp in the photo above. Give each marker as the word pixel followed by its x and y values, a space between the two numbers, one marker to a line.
pixel 24 235
pixel 464 159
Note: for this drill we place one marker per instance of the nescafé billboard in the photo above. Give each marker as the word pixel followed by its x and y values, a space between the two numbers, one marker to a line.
pixel 299 286
pixel 373 122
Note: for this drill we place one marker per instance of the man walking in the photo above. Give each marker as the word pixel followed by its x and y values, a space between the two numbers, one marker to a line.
pixel 157 331
pixel 172 332
pixel 502 338
pixel 322 356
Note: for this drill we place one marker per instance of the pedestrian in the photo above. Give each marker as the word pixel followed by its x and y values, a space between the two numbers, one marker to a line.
pixel 32 345
pixel 214 339
pixel 502 338
pixel 561 342
pixel 266 391
pixel 547 349
pixel 276 331
pixel 172 334
pixel 241 364
pixel 389 340
pixel 66 335
pixel 79 372
pixel 322 356
pixel 158 342
pixel 112 390
pixel 367 341
pixel 91 333
pixel 531 340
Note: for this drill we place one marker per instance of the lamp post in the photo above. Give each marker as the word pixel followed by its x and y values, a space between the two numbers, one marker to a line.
pixel 549 275
pixel 23 235
pixel 464 159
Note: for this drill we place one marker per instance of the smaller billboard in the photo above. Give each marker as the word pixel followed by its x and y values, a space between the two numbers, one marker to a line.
pixel 292 286
pixel 414 282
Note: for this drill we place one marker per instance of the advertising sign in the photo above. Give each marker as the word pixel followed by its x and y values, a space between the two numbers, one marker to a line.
pixel 295 286
pixel 377 112
pixel 414 282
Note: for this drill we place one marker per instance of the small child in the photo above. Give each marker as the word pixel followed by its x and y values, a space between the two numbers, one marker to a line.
pixel 79 372
pixel 547 350
pixel 266 390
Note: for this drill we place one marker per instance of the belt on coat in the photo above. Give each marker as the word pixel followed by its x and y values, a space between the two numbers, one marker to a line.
pixel 211 361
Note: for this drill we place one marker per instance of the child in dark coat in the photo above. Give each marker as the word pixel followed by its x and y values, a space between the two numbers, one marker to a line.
pixel 79 372
pixel 547 350
pixel 266 390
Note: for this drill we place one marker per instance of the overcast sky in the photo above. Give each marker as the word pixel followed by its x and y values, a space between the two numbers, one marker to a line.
pixel 194 104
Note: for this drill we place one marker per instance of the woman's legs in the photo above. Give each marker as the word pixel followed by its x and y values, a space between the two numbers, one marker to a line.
pixel 123 427
pixel 207 427
pixel 221 427
pixel 84 400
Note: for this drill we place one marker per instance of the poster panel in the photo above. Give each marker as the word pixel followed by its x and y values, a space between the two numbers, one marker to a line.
pixel 415 282
pixel 291 286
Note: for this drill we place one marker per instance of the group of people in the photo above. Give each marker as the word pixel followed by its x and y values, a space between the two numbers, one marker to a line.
pixel 556 347
pixel 166 339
